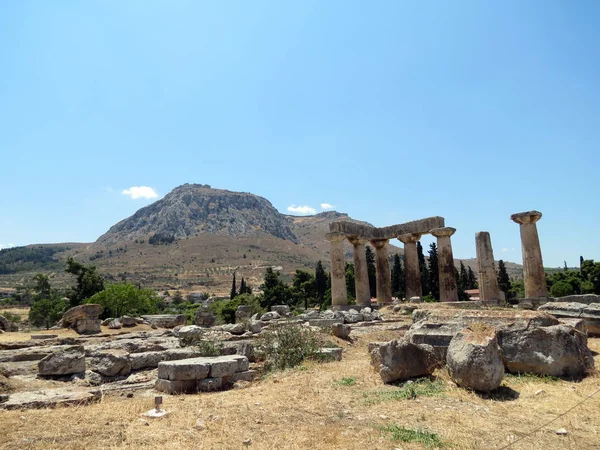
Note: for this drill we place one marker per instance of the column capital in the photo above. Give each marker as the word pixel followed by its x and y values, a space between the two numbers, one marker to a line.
pixel 443 232
pixel 356 240
pixel 526 217
pixel 409 238
pixel 379 243
pixel 335 237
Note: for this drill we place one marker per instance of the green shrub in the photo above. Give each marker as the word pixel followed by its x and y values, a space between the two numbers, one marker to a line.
pixel 287 346
pixel 225 309
pixel 561 289
pixel 398 433
pixel 126 299
pixel 12 318
pixel 422 387
pixel 349 381
pixel 47 312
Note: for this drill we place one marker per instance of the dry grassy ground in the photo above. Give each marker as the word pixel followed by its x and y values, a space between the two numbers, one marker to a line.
pixel 311 407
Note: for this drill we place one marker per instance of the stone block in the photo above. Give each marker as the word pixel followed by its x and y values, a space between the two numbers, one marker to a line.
pixel 324 323
pixel 247 375
pixel 165 320
pixel 146 360
pixel 225 366
pixel 81 312
pixel 330 353
pixel 65 361
pixel 209 384
pixel 184 369
pixel 87 326
pixel 176 386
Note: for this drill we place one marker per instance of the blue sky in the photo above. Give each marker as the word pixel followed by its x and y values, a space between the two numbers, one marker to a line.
pixel 389 111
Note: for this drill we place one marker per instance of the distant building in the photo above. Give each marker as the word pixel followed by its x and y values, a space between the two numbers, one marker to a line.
pixel 473 294
pixel 7 292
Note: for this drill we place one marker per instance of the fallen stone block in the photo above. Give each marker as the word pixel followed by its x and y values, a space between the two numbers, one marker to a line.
pixel 473 359
pixel 330 354
pixel 176 386
pixel 402 360
pixel 185 369
pixel 247 375
pixel 340 330
pixel 165 320
pixel 559 351
pixel 87 326
pixel 65 361
pixel 44 336
pixel 111 363
pixel 49 398
pixel 127 321
pixel 82 312
pixel 210 384
pixel 324 323
pixel 589 313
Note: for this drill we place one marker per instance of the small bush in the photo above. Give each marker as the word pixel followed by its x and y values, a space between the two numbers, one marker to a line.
pixel 402 434
pixel 12 318
pixel 287 346
pixel 206 346
pixel 350 381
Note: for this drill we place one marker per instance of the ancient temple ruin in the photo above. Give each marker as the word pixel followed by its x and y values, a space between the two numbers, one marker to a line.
pixel 408 233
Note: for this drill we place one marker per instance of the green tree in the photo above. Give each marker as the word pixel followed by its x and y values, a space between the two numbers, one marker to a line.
pixel 434 278
pixel 47 312
pixel 126 299
pixel 89 282
pixel 504 280
pixel 303 288
pixel 398 282
pixel 320 282
pixel 423 270
pixel 471 279
pixel 275 291
pixel 462 295
pixel 371 271
pixel 561 289
pixel 177 297
pixel 233 292
pixel 462 280
pixel 42 286
pixel 350 283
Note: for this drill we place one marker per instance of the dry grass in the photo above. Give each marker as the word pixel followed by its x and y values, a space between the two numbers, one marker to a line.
pixel 66 332
pixel 308 407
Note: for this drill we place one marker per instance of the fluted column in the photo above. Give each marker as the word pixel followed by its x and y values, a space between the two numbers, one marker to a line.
pixel 361 275
pixel 339 297
pixel 448 291
pixel 384 277
pixel 486 272
pixel 412 272
pixel 533 267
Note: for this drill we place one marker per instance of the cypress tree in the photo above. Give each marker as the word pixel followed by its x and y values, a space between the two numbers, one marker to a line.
pixel 371 271
pixel 396 274
pixel 242 286
pixel 472 279
pixel 233 289
pixel 463 278
pixel 423 270
pixel 434 279
pixel 504 280
pixel 320 282
pixel 350 281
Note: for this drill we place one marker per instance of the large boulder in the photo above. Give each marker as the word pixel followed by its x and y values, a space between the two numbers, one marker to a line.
pixel 473 359
pixel 128 321
pixel 90 311
pixel 573 310
pixel 282 310
pixel 340 330
pixel 165 320
pixel 558 350
pixel 400 360
pixel 65 361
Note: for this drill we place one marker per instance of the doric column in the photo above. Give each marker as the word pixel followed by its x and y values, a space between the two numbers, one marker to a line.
pixel 448 291
pixel 533 267
pixel 361 276
pixel 412 272
pixel 384 277
pixel 486 272
pixel 339 297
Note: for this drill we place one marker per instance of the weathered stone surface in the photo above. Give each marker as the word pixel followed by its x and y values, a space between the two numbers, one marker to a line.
pixel 324 322
pixel 244 312
pixel 421 226
pixel 115 324
pixel 48 398
pixel 255 326
pixel 589 313
pixel 270 316
pixel 225 366
pixel 339 296
pixel 243 348
pixel 233 328
pixel 87 326
pixel 247 375
pixel 282 310
pixel 558 350
pixel 65 361
pixel 44 336
pixel 111 363
pixel 165 320
pixel 401 360
pixel 583 298
pixel 146 360
pixel 29 353
pixel 352 316
pixel 340 330
pixel 383 275
pixel 330 353
pixel 210 384
pixel 486 271
pixel 533 266
pixel 185 369
pixel 4 324
pixel 446 270
pixel 411 265
pixel 173 387
pixel 81 312
pixel 473 359
pixel 133 345
pixel 127 321
pixel 361 277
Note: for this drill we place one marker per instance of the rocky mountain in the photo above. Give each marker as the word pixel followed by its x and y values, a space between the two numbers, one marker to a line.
pixel 194 209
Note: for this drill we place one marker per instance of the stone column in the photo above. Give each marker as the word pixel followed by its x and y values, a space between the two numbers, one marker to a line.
pixel 488 280
pixel 339 297
pixel 361 276
pixel 384 277
pixel 533 267
pixel 448 291
pixel 412 272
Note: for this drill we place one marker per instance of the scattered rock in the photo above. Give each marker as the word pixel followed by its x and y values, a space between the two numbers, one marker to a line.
pixel 273 315
pixel 165 320
pixel 473 359
pixel 282 310
pixel 340 330
pixel 561 432
pixel 81 312
pixel 65 361
pixel 111 363
pixel 401 360
pixel 127 321
pixel 115 324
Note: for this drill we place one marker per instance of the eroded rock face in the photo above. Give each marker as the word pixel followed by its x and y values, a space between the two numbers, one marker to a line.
pixel 558 350
pixel 65 361
pixel 399 360
pixel 340 330
pixel 81 312
pixel 474 361
pixel 111 363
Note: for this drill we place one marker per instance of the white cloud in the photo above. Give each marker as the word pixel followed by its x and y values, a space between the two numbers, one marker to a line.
pixel 136 192
pixel 325 206
pixel 305 210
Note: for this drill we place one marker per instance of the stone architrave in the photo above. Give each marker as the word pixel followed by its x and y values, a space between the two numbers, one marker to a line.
pixel 533 267
pixel 446 270
pixel 339 296
pixel 384 277
pixel 488 280
pixel 411 265
pixel 361 276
